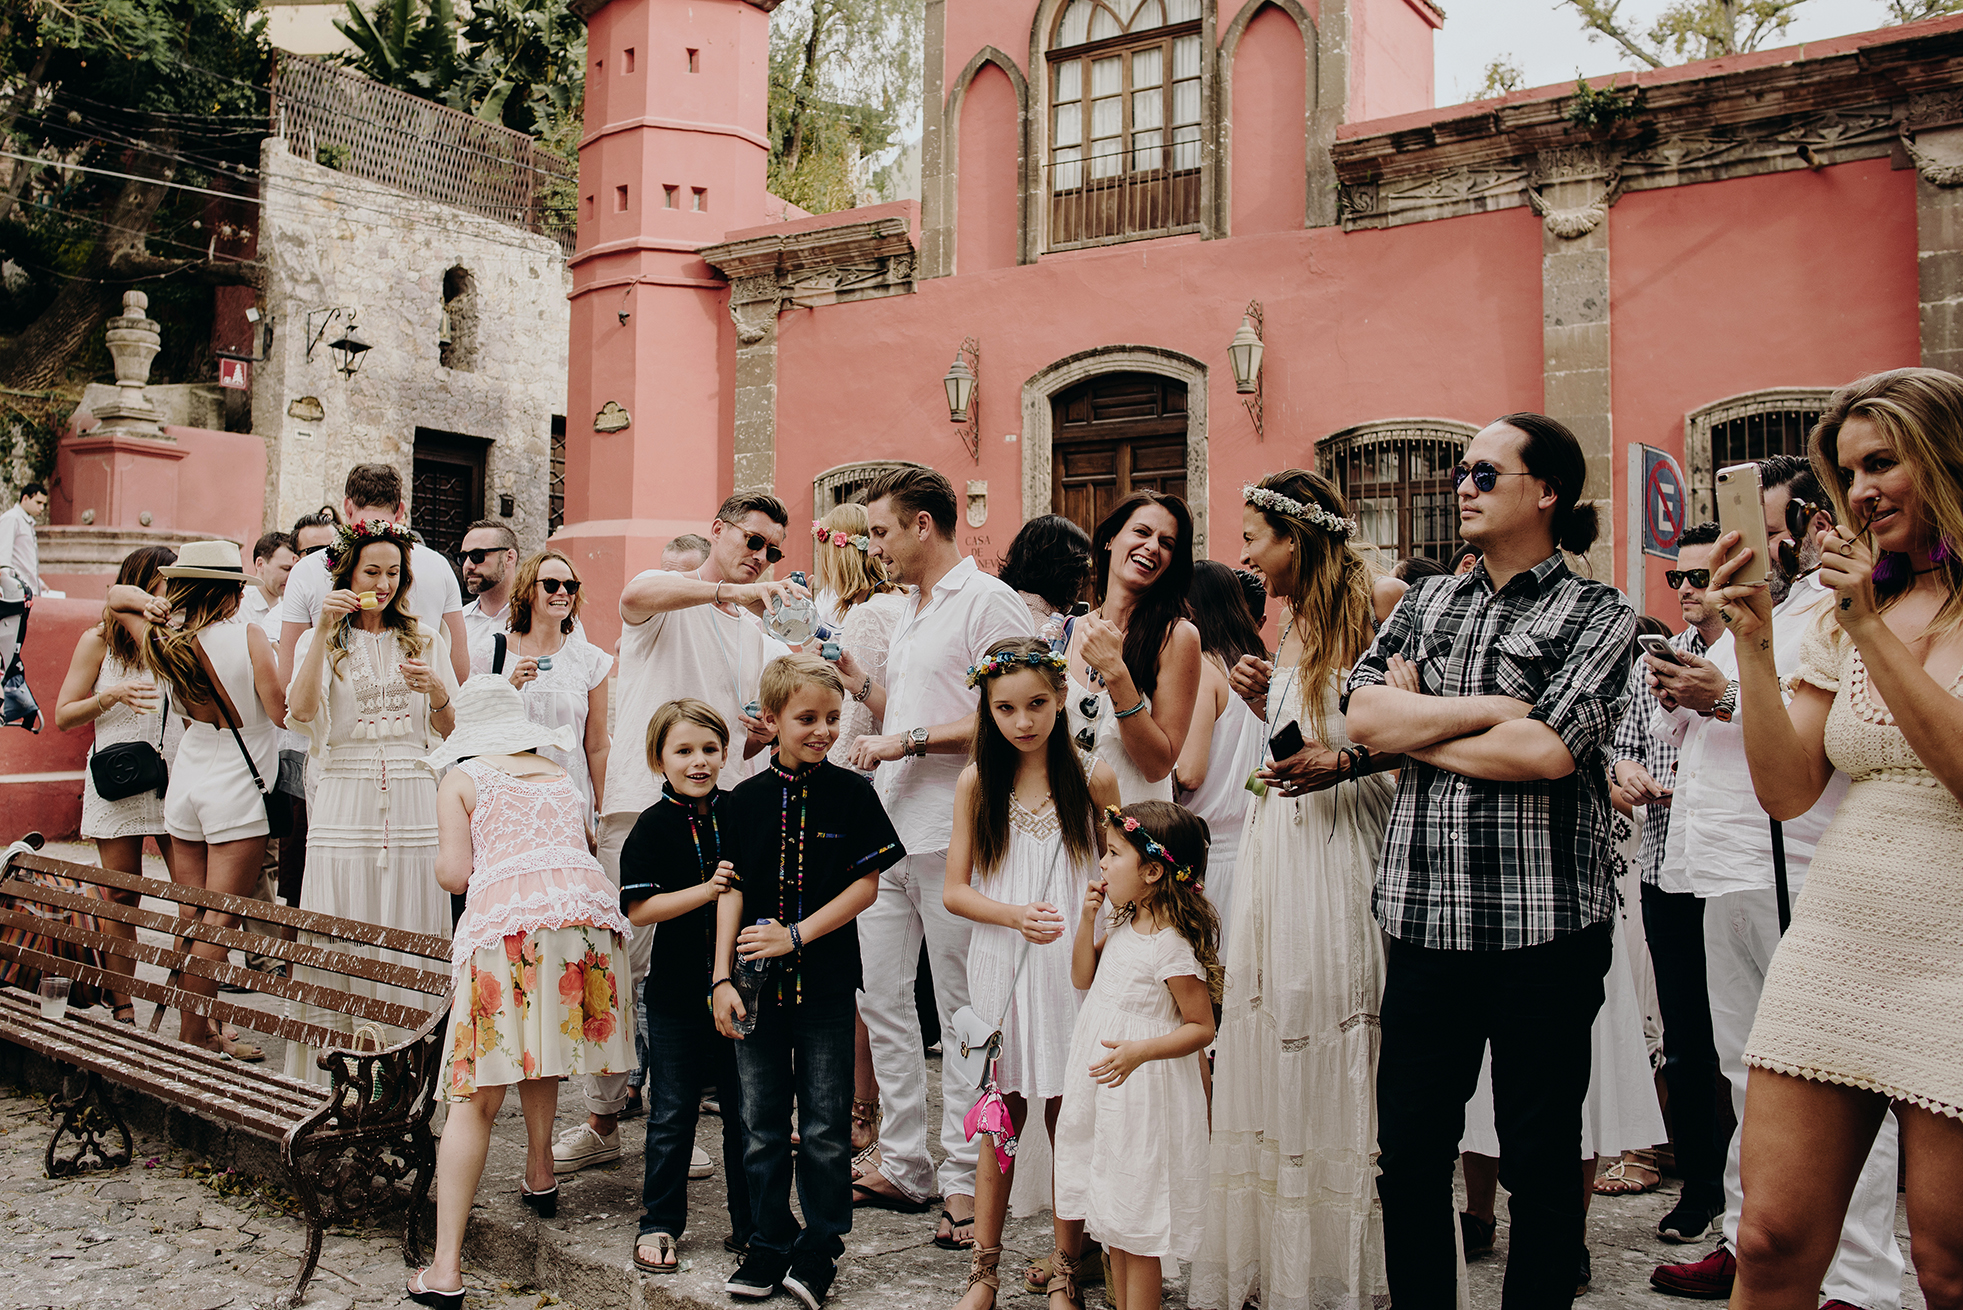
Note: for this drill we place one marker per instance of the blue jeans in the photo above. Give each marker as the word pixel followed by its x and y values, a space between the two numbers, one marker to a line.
pixel 802 1052
pixel 687 1054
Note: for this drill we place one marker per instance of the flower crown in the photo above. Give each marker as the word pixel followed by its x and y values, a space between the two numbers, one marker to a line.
pixel 832 536
pixel 1314 515
pixel 1153 850
pixel 351 537
pixel 1008 661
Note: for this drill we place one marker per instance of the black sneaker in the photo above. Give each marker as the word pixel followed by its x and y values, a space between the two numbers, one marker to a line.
pixel 810 1280
pixel 758 1276
pixel 1477 1234
pixel 1689 1220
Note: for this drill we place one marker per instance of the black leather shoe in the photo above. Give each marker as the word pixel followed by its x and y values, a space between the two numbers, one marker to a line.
pixel 1689 1221
pixel 1477 1234
pixel 543 1204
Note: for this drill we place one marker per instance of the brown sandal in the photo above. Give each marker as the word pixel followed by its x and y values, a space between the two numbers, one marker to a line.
pixel 866 1114
pixel 982 1269
pixel 1063 1278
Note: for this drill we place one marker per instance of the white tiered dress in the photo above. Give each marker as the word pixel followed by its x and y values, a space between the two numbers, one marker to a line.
pixel 141 815
pixel 1292 1216
pixel 1131 1159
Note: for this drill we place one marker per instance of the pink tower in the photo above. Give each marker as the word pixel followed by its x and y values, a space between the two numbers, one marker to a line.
pixel 677 100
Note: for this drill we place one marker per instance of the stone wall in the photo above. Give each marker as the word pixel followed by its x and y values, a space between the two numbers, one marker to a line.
pixel 333 241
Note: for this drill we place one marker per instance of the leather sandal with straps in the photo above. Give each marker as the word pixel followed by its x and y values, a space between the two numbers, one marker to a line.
pixel 1063 1280
pixel 982 1269
pixel 866 1114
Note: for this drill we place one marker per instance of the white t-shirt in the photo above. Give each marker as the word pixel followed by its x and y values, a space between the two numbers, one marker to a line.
pixel 1719 839
pixel 20 549
pixel 927 667
pixel 259 608
pixel 433 594
pixel 701 652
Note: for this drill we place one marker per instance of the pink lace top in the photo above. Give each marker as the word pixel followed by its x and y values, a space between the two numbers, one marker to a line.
pixel 530 866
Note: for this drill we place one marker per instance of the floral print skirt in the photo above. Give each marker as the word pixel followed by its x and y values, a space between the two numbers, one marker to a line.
pixel 552 1003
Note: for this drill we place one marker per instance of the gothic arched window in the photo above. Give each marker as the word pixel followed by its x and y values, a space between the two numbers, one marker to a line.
pixel 1125 120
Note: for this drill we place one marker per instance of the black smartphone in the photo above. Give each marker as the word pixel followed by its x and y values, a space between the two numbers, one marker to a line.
pixel 1287 743
pixel 1080 609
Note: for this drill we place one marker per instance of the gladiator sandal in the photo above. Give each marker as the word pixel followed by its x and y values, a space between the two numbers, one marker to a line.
pixel 1063 1279
pixel 982 1261
pixel 866 1115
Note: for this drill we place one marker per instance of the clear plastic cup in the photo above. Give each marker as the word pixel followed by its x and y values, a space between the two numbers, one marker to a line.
pixel 54 997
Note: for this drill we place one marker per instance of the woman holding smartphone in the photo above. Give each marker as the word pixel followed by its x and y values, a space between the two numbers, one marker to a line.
pixel 1295 1073
pixel 1862 1013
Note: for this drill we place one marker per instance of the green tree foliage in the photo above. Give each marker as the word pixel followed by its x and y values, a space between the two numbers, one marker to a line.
pixel 1693 29
pixel 122 105
pixel 844 84
pixel 520 63
pixel 1502 76
pixel 1914 11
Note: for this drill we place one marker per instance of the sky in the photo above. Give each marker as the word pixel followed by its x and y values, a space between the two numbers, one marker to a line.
pixel 1545 40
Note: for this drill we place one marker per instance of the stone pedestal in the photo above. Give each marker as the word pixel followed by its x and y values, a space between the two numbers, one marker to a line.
pixel 119 479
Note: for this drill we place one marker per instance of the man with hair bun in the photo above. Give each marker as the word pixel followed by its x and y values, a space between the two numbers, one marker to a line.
pixel 1496 888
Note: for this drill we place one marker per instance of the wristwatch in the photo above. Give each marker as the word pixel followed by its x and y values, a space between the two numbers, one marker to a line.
pixel 1727 704
pixel 916 742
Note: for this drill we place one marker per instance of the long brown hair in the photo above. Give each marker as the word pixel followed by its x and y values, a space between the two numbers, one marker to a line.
pixel 1329 590
pixel 396 615
pixel 527 579
pixel 1180 903
pixel 1920 411
pixel 139 569
pixel 996 759
pixel 1164 602
pixel 171 655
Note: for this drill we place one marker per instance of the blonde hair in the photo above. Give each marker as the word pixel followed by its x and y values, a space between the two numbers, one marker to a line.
pixel 1329 590
pixel 527 579
pixel 783 677
pixel 847 572
pixel 171 653
pixel 672 715
pixel 1920 412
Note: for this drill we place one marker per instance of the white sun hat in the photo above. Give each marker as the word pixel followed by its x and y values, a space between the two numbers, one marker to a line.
pixel 218 560
pixel 491 721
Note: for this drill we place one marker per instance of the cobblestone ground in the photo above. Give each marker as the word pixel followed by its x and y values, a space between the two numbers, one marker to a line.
pixel 166 1234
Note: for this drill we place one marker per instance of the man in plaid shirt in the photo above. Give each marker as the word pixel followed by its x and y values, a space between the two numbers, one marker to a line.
pixel 1503 688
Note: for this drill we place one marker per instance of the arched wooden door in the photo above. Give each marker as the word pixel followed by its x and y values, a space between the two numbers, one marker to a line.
pixel 1112 435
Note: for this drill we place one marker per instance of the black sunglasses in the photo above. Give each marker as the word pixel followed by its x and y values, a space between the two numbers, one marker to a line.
pixel 756 541
pixel 1799 513
pixel 1699 578
pixel 552 585
pixel 1088 707
pixel 1485 475
pixel 479 556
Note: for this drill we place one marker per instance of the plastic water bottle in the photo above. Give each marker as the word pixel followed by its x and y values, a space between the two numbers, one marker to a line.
pixel 793 621
pixel 1052 632
pixel 749 978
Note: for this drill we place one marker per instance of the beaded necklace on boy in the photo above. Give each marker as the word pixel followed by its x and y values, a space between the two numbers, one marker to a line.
pixel 704 865
pixel 802 782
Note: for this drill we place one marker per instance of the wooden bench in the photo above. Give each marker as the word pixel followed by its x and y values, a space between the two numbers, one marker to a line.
pixel 359 1147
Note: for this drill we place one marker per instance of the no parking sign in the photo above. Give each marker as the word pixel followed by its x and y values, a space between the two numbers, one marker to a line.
pixel 1664 493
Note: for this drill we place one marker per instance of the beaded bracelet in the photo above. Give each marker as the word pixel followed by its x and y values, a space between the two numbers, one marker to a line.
pixel 797 938
pixel 1126 714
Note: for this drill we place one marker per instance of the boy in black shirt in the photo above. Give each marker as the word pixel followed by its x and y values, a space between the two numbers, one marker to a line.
pixel 672 871
pixel 809 841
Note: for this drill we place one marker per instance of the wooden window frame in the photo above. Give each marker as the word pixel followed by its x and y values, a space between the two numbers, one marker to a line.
pixel 1400 433
pixel 1701 424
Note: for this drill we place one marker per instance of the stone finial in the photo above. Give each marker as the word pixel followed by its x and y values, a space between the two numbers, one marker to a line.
pixel 133 339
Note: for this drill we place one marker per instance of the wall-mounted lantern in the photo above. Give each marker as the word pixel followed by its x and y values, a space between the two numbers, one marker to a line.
pixel 1245 354
pixel 963 405
pixel 348 347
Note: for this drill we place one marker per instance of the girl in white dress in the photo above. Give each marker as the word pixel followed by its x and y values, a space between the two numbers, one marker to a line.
pixel 1131 1143
pixel 1025 843
pixel 1292 1218
pixel 372 691
pixel 562 676
pixel 1135 660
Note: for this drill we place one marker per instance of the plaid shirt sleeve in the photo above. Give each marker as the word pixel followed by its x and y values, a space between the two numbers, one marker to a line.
pixel 1391 640
pixel 1632 735
pixel 1585 699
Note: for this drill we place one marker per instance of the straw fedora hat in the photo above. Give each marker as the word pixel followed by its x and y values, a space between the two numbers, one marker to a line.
pixel 491 721
pixel 209 559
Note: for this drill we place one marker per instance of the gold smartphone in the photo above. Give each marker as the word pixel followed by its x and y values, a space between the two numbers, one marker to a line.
pixel 1741 509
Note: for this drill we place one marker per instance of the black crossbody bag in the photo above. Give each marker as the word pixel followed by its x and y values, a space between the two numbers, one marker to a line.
pixel 123 769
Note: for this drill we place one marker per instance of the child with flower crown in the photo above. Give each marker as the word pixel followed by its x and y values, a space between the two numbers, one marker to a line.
pixel 1131 1143
pixel 1025 845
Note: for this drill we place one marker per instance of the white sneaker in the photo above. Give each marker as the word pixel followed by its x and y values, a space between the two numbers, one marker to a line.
pixel 579 1146
pixel 699 1164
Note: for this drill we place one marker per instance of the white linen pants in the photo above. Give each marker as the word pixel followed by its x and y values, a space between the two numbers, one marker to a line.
pixel 908 909
pixel 1741 930
pixel 606 1093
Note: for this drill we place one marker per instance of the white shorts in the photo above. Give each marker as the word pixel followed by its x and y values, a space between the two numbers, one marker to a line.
pixel 212 797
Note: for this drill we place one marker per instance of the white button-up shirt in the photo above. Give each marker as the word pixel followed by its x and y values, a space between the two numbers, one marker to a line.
pixel 927 684
pixel 1720 840
pixel 19 549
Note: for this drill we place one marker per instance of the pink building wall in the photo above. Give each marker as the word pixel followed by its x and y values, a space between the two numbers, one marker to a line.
pixel 1726 288
pixel 1270 160
pixel 988 210
pixel 1390 58
pixel 41 774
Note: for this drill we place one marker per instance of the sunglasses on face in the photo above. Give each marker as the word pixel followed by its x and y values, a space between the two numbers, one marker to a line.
pixel 1699 578
pixel 756 541
pixel 479 556
pixel 1485 475
pixel 552 585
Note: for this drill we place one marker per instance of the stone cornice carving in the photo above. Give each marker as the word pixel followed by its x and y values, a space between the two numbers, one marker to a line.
pixel 818 266
pixel 1858 104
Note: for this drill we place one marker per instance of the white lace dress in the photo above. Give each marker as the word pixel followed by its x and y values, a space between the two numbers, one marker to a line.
pixel 1037 1020
pixel 866 632
pixel 541 951
pixel 1095 731
pixel 132 816
pixel 1292 1217
pixel 558 696
pixel 371 827
pixel 1223 801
